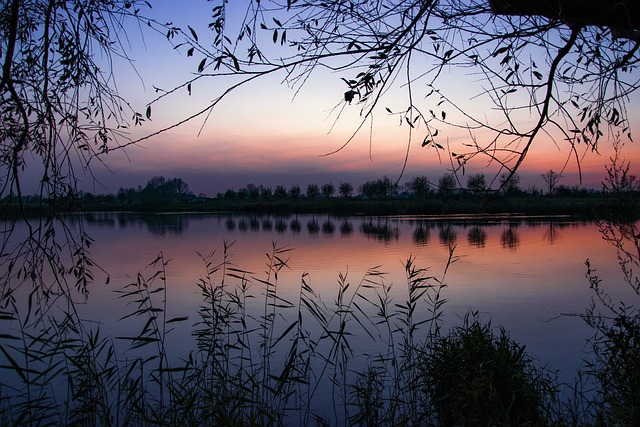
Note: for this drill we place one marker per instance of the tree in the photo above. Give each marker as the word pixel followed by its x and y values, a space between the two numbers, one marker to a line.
pixel 313 191
pixel 242 193
pixel 265 192
pixel 345 189
pixel 160 189
pixel 253 191
pixel 419 186
pixel 280 192
pixel 230 194
pixel 446 184
pixel 294 191
pixel 551 180
pixel 379 188
pixel 510 183
pixel 59 102
pixel 622 18
pixel 328 190
pixel 477 183
pixel 60 113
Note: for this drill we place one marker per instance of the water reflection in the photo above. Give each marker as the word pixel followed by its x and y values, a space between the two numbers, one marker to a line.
pixel 230 224
pixel 281 226
pixel 477 237
pixel 498 279
pixel 313 227
pixel 380 229
pixel 447 235
pixel 510 238
pixel 328 227
pixel 295 226
pixel 346 228
pixel 156 224
pixel 505 232
pixel 421 234
pixel 552 233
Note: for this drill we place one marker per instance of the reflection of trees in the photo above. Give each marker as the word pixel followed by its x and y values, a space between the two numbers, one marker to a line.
pixel 447 235
pixel 230 224
pixel 281 226
pixel 295 226
pixel 552 233
pixel 510 238
pixel 328 227
pixel 123 219
pixel 98 219
pixel 166 224
pixel 242 224
pixel 346 228
pixel 477 237
pixel 422 234
pixel 313 227
pixel 380 230
pixel 156 224
pixel 267 225
pixel 254 224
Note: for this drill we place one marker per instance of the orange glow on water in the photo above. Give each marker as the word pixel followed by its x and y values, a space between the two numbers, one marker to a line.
pixel 522 273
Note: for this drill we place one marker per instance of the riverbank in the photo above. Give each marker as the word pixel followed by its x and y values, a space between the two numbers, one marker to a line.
pixel 586 206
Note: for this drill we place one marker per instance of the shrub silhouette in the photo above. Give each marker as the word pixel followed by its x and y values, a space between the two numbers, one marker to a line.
pixel 476 377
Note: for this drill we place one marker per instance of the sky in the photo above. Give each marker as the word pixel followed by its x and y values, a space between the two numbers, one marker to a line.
pixel 267 133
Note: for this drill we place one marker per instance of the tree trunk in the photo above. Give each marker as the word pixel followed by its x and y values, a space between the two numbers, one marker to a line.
pixel 622 17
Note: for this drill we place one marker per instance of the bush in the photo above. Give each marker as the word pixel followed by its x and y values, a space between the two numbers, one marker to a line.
pixel 477 378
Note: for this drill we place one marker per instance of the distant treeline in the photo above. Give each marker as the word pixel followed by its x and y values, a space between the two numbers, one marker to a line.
pixel 380 196
pixel 416 187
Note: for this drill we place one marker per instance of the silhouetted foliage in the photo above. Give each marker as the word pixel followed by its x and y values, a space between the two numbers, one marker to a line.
pixel 379 188
pixel 615 360
pixel 419 186
pixel 230 194
pixel 345 189
pixel 510 184
pixel 160 189
pixel 328 190
pixel 313 191
pixel 280 192
pixel 551 180
pixel 265 192
pixel 477 377
pixel 446 184
pixel 295 191
pixel 477 183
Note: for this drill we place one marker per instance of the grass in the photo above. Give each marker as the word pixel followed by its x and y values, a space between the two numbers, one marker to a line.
pixel 260 358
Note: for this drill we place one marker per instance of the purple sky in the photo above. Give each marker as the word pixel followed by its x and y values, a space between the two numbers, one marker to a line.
pixel 262 135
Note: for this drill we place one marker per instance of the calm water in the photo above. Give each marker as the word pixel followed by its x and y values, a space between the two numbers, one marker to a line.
pixel 522 273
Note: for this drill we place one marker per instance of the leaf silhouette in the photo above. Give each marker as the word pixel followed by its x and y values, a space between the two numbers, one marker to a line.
pixel 193 33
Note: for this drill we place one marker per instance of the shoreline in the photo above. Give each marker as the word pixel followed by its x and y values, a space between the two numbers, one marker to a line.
pixel 590 207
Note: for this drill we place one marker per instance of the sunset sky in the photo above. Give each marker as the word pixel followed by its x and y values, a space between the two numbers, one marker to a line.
pixel 266 133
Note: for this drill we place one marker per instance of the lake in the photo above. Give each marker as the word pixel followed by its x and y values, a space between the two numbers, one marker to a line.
pixel 525 274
